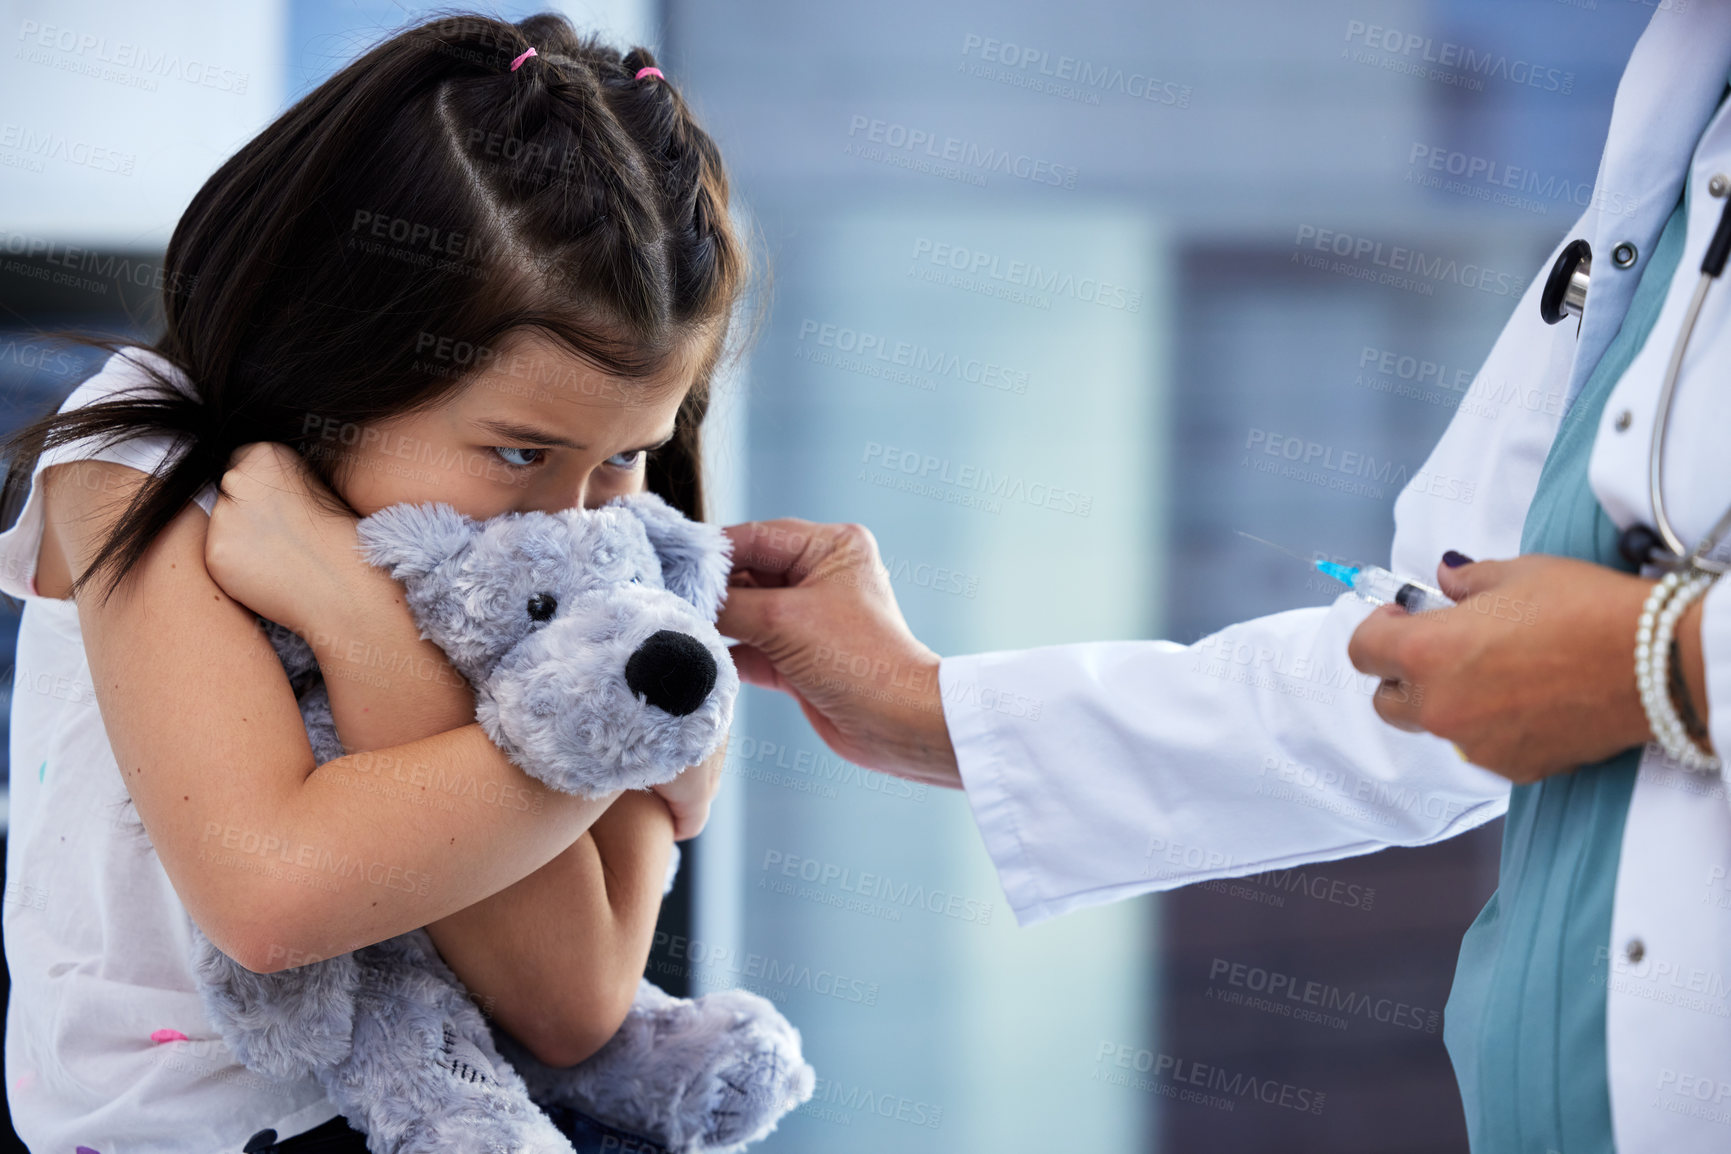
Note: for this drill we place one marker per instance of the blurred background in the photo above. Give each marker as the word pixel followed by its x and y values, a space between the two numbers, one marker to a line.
pixel 1095 248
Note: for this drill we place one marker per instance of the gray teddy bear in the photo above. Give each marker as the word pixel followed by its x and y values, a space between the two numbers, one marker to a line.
pixel 588 637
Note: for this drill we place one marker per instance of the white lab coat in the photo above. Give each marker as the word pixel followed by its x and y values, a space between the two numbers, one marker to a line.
pixel 1101 771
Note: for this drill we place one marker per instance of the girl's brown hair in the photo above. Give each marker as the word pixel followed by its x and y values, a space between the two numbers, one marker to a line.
pixel 424 201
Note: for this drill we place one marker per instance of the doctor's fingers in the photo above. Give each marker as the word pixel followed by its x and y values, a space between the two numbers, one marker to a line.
pixel 783 631
pixel 1397 702
pixel 826 630
pixel 788 550
pixel 1379 645
pixel 755 668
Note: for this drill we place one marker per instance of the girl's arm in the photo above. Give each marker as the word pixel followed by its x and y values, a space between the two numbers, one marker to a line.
pixel 556 956
pixel 278 862
pixel 560 953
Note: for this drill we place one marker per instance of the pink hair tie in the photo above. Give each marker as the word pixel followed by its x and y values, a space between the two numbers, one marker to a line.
pixel 642 72
pixel 522 58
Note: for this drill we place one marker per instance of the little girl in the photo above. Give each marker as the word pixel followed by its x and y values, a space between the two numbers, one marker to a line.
pixel 486 264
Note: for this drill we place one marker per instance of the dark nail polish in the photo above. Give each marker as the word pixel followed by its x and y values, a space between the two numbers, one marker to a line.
pixel 1455 560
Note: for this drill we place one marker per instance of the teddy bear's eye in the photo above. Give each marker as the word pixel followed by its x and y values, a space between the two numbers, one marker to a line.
pixel 542 606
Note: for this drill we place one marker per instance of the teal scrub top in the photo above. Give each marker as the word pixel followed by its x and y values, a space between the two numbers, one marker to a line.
pixel 1525 1020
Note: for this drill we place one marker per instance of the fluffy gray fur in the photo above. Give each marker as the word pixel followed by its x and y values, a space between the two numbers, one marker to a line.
pixel 552 694
pixel 389 1030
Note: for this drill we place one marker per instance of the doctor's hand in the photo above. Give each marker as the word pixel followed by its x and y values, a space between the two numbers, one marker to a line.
pixel 1532 672
pixel 812 609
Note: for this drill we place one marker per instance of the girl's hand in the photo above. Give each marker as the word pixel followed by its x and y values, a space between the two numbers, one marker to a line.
pixel 271 545
pixel 689 795
pixel 1531 674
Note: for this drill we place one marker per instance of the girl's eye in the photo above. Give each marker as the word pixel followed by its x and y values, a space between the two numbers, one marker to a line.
pixel 627 460
pixel 505 454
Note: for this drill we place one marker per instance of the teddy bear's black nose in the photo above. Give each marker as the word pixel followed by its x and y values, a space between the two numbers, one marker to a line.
pixel 672 671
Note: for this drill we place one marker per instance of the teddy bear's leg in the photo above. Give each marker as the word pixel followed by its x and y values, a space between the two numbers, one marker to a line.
pixel 423 1076
pixel 389 1030
pixel 708 1074
pixel 283 1025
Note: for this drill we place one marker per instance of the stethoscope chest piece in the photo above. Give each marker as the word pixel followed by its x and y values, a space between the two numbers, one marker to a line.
pixel 1639 544
pixel 1565 292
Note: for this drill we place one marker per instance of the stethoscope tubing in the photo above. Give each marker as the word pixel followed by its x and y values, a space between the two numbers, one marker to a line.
pixel 1712 264
pixel 1656 454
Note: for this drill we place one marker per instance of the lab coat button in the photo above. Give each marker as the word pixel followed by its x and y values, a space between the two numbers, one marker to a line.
pixel 1624 420
pixel 1624 255
pixel 1635 951
pixel 1718 184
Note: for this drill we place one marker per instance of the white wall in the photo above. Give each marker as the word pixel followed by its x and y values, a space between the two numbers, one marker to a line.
pixel 113 114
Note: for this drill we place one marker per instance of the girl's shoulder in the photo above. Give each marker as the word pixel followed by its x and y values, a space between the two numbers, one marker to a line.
pixel 27 550
pixel 122 374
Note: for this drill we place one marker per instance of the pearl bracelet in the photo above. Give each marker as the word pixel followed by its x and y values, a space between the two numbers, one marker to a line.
pixel 1653 639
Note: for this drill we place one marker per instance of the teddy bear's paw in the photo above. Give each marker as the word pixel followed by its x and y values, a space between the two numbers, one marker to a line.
pixel 709 1075
pixel 759 1076
pixel 286 1024
pixel 423 1075
pixel 469 1133
pixel 696 1076
pixel 749 1096
pixel 456 1099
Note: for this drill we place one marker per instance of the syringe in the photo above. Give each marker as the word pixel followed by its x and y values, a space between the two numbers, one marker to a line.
pixel 1379 587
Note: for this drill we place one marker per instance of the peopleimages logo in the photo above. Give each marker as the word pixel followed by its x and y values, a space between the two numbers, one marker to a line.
pixel 966 154
pixel 920 359
pixel 873 887
pixel 1220 1088
pixel 1068 76
pixel 1290 995
pixel 947 479
pixel 716 961
pixel 830 1097
pixel 38 145
pixel 975 265
pixel 87 53
pixel 1502 181
pixel 1455 62
pixel 71 260
pixel 1398 259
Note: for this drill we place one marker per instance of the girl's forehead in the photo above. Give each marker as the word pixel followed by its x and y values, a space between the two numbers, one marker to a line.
pixel 536 380
pixel 534 354
pixel 574 419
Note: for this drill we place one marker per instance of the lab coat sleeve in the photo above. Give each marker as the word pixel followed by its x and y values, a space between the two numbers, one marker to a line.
pixel 1716 656
pixel 1103 770
pixel 1100 771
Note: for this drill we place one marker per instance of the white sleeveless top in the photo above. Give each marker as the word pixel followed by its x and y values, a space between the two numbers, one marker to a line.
pixel 107 1043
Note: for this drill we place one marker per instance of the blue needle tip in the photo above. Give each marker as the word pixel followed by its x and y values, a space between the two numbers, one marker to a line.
pixel 1342 573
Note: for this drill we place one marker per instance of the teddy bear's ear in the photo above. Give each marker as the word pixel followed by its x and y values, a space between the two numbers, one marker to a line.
pixel 695 557
pixel 412 540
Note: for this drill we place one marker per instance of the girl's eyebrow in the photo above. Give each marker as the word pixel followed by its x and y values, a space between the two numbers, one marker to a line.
pixel 657 445
pixel 515 431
